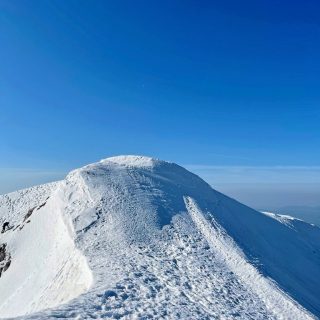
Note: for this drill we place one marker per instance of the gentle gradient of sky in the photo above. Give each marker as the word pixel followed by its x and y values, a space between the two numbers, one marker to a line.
pixel 215 85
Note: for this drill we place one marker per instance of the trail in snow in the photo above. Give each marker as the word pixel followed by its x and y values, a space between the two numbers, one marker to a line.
pixel 177 277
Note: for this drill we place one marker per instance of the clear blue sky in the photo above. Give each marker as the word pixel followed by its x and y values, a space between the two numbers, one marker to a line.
pixel 216 83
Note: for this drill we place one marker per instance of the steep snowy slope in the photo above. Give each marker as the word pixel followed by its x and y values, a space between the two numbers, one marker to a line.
pixel 134 237
pixel 45 267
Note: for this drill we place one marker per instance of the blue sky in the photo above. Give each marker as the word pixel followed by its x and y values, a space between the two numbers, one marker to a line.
pixel 208 84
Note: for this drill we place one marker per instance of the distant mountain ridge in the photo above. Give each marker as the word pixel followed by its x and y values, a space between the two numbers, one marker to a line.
pixel 307 213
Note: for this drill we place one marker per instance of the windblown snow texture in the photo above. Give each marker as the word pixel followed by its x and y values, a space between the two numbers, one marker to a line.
pixel 137 238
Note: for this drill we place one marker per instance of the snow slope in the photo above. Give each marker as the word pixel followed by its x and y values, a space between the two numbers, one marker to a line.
pixel 138 238
pixel 46 268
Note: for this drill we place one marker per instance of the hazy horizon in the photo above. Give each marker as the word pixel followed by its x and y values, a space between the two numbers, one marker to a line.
pixel 263 188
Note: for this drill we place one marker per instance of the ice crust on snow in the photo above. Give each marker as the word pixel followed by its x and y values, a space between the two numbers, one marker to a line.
pixel 144 238
pixel 134 161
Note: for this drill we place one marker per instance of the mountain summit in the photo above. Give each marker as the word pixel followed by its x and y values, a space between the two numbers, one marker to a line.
pixel 134 237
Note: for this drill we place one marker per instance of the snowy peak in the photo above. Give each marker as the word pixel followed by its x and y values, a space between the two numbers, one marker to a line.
pixel 139 194
pixel 132 237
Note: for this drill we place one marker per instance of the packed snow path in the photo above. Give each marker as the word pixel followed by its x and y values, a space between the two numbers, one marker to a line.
pixel 161 244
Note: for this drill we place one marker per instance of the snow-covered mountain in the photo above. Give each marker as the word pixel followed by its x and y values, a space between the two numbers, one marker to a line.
pixel 137 238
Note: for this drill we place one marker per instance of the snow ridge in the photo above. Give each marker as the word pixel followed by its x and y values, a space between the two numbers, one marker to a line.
pixel 135 237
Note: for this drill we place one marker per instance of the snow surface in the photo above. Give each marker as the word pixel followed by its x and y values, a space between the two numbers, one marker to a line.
pixel 46 269
pixel 138 238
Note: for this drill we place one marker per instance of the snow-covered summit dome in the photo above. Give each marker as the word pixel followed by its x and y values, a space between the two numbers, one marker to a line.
pixel 134 161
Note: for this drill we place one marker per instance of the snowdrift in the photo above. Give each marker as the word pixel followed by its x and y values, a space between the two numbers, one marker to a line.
pixel 135 237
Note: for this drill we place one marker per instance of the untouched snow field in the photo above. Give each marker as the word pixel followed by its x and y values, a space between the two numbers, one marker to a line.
pixel 137 238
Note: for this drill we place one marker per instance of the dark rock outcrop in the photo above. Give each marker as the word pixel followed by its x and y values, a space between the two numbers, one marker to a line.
pixel 5 258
